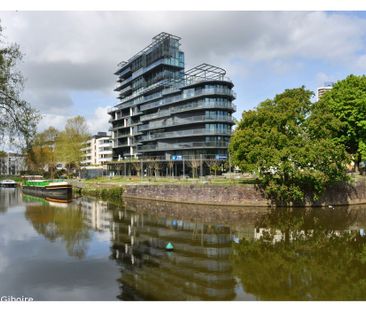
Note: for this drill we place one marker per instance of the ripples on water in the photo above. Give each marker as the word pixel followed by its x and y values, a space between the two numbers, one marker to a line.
pixel 94 250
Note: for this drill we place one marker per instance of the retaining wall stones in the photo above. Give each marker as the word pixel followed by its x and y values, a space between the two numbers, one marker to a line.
pixel 237 195
pixel 246 195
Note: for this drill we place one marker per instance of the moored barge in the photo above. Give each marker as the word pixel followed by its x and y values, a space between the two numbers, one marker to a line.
pixel 53 189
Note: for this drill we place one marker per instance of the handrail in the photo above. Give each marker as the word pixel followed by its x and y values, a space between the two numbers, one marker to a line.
pixel 180 121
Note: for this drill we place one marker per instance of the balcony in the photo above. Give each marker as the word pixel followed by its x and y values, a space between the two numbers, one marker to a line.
pixel 182 146
pixel 114 128
pixel 183 121
pixel 132 123
pixel 120 145
pixel 192 106
pixel 124 72
pixel 123 135
pixel 185 133
pixel 178 98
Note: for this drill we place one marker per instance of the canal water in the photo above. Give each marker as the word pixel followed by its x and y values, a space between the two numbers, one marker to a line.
pixel 94 250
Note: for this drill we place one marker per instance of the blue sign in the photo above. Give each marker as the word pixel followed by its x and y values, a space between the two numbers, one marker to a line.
pixel 221 157
pixel 177 157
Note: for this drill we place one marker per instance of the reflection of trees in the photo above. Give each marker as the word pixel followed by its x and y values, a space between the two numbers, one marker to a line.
pixel 317 259
pixel 60 223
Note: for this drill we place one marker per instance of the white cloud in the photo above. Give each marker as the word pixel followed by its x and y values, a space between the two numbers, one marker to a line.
pixel 99 121
pixel 79 51
pixel 56 121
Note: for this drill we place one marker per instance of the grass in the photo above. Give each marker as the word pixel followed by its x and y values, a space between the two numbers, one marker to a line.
pixel 125 180
pixel 111 194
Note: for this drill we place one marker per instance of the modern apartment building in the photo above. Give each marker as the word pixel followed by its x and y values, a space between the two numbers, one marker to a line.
pixel 97 150
pixel 167 112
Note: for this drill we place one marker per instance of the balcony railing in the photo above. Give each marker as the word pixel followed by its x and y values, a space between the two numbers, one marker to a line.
pixel 182 121
pixel 120 145
pixel 194 132
pixel 122 135
pixel 180 146
pixel 173 99
pixel 188 107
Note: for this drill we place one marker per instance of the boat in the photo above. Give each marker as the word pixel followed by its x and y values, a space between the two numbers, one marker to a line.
pixel 8 183
pixel 52 189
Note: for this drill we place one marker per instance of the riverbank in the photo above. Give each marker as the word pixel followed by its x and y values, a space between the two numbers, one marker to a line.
pixel 219 192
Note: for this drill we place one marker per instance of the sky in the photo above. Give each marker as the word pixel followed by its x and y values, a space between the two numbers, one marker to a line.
pixel 70 56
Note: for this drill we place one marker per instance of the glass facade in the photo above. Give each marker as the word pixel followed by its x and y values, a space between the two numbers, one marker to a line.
pixel 165 111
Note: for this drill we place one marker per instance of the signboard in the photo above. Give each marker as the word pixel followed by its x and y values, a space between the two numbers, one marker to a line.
pixel 177 157
pixel 221 157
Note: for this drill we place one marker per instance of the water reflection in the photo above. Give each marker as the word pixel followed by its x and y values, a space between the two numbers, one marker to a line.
pixel 9 197
pixel 316 254
pixel 55 221
pixel 89 249
pixel 198 269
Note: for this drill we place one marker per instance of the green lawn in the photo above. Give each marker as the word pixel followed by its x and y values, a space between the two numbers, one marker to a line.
pixel 120 180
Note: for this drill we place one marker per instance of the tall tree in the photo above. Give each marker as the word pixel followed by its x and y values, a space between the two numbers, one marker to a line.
pixel 347 100
pixel 41 154
pixel 18 120
pixel 278 141
pixel 70 141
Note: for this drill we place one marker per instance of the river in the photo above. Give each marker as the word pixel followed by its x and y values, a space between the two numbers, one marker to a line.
pixel 94 250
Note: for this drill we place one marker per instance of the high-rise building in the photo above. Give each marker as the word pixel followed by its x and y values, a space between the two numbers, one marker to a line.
pixel 167 112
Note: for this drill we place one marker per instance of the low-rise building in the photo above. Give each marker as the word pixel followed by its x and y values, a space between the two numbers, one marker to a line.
pixel 97 150
pixel 12 164
pixel 323 89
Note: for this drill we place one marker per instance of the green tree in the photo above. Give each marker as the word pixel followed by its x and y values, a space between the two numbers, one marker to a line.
pixel 41 155
pixel 289 149
pixel 18 120
pixel 347 100
pixel 70 141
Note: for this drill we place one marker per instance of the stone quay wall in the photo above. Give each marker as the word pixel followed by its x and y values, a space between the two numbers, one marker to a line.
pixel 237 195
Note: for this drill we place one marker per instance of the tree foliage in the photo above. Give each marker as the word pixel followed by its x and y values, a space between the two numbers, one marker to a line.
pixel 347 101
pixel 41 155
pixel 70 141
pixel 286 142
pixel 18 120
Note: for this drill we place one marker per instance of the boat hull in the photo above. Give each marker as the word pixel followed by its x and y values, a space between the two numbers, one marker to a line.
pixel 8 185
pixel 62 192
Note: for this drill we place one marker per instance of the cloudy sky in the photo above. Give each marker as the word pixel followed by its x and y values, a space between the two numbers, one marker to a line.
pixel 70 57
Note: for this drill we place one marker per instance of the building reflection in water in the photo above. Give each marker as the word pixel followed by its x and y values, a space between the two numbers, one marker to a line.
pixel 96 213
pixel 9 197
pixel 280 254
pixel 198 269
